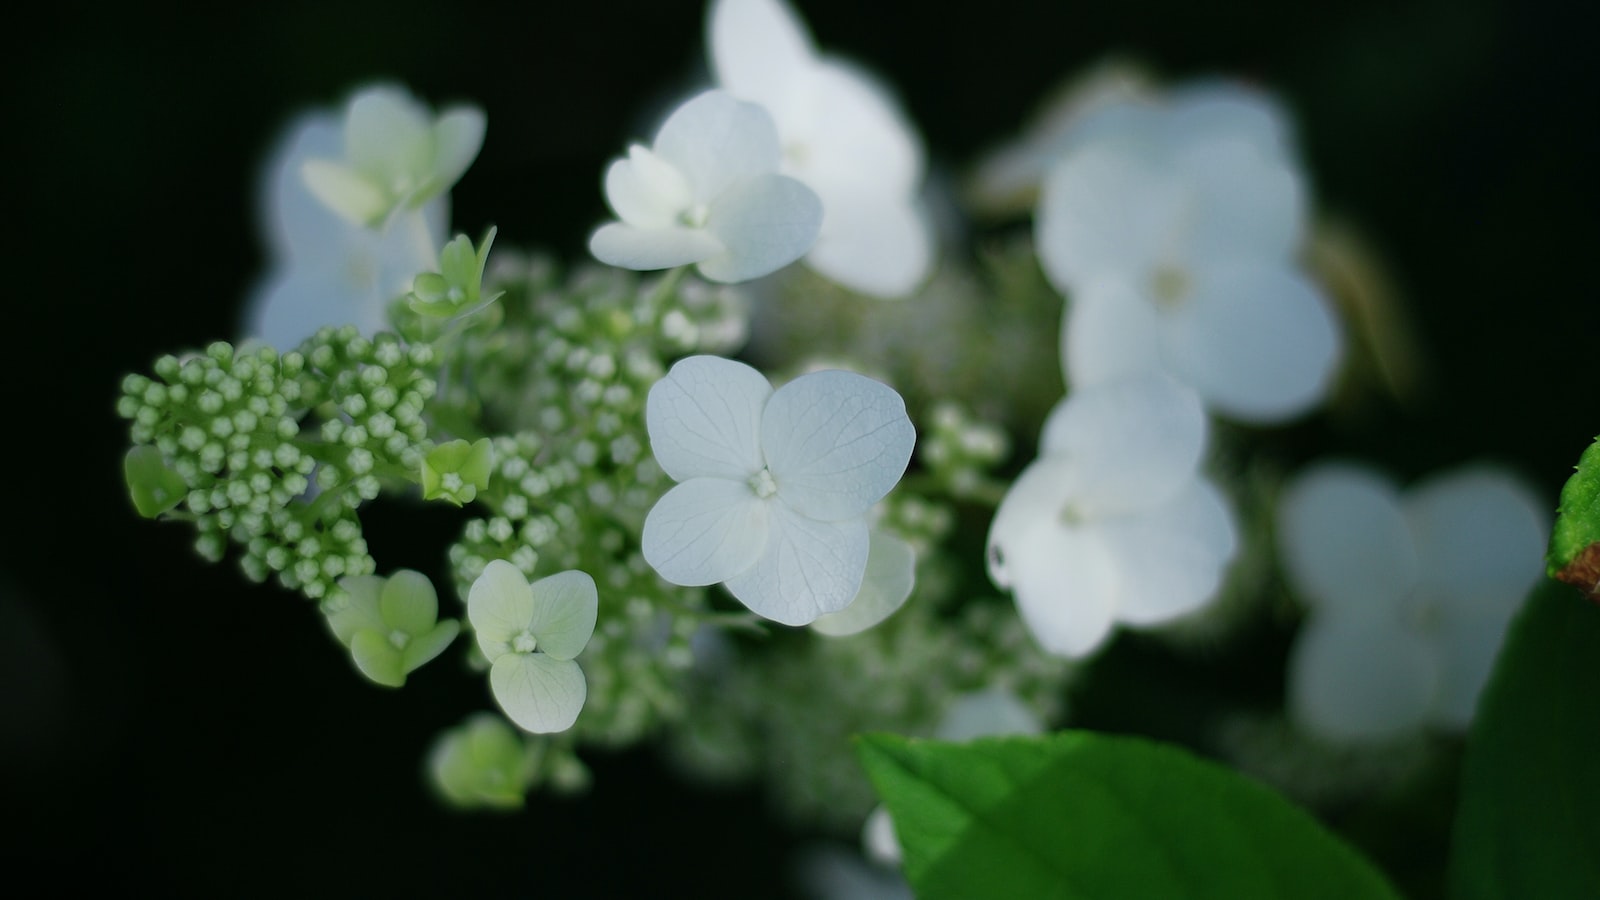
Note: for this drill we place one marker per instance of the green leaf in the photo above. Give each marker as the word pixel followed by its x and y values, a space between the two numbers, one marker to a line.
pixel 153 487
pixel 1083 815
pixel 1575 540
pixel 1529 820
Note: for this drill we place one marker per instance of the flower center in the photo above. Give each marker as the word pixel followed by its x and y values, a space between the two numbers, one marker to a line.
pixel 525 642
pixel 399 639
pixel 762 484
pixel 695 216
pixel 1170 285
pixel 1072 515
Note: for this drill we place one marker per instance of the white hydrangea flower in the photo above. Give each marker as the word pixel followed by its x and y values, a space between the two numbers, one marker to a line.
pixel 842 134
pixel 395 155
pixel 708 192
pixel 326 270
pixel 1409 595
pixel 1175 229
pixel 1112 522
pixel 530 634
pixel 775 486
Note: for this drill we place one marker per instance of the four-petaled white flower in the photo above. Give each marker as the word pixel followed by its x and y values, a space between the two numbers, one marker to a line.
pixel 1112 522
pixel 1175 230
pixel 326 270
pixel 842 134
pixel 775 485
pixel 708 192
pixel 395 155
pixel 530 634
pixel 1409 595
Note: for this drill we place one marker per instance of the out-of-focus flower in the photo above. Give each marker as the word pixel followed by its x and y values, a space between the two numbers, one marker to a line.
pixel 1409 595
pixel 775 485
pixel 708 192
pixel 390 624
pixel 1112 523
pixel 842 134
pixel 481 763
pixel 530 634
pixel 326 270
pixel 394 155
pixel 1175 230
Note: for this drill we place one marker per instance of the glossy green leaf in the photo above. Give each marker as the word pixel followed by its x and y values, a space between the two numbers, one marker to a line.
pixel 1083 815
pixel 1529 820
pixel 1575 540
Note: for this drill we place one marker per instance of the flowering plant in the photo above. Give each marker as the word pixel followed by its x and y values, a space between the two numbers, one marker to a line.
pixel 656 545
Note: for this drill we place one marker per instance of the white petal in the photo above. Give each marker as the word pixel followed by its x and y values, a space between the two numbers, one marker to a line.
pixel 879 841
pixel 642 249
pixel 645 190
pixel 294 221
pixel 564 609
pixel 808 569
pixel 1035 503
pixel 1136 442
pixel 706 530
pixel 294 303
pixel 1064 582
pixel 1480 536
pixel 891 573
pixel 704 419
pixel 1105 211
pixel 845 129
pixel 1257 342
pixel 1170 560
pixel 500 606
pixel 541 694
pixel 457 138
pixel 1210 108
pixel 873 242
pixel 715 139
pixel 757 48
pixel 765 222
pixel 387 134
pixel 1356 679
pixel 1247 205
pixel 1110 332
pixel 351 194
pixel 995 711
pixel 1344 541
pixel 836 442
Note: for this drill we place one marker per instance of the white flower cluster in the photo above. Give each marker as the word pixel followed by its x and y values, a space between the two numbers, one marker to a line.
pixel 1112 523
pixel 793 155
pixel 1409 595
pixel 1174 227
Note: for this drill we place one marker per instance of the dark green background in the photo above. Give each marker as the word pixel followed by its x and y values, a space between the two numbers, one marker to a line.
pixel 165 725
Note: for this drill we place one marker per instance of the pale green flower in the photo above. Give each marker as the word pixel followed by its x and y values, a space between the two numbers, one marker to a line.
pixel 390 624
pixel 530 634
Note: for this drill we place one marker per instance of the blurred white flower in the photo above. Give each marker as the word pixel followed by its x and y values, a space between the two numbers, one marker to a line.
pixel 1409 595
pixel 775 485
pixel 326 270
pixel 530 634
pixel 842 134
pixel 1112 522
pixel 395 155
pixel 1175 230
pixel 708 192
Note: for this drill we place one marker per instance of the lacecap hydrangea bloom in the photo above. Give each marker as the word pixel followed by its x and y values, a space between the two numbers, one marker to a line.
pixel 1112 523
pixel 327 270
pixel 842 134
pixel 1175 228
pixel 1409 595
pixel 707 192
pixel 774 486
pixel 530 635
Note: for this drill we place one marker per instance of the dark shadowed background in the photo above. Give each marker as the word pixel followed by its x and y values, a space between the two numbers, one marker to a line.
pixel 166 725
